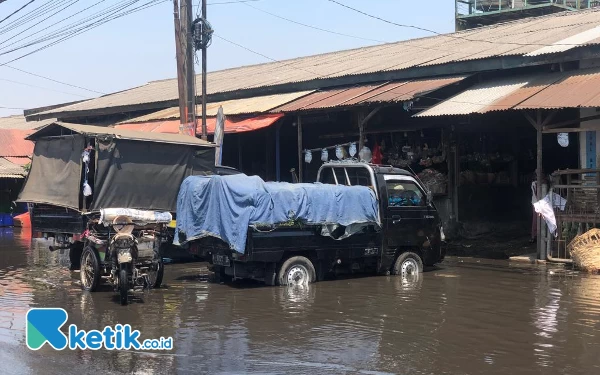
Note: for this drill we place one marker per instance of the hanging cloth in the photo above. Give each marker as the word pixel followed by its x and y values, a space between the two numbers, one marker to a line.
pixel 377 157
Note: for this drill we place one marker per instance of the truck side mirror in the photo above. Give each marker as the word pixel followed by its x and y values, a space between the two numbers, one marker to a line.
pixel 429 197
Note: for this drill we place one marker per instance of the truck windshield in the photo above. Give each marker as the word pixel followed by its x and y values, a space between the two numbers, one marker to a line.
pixel 403 193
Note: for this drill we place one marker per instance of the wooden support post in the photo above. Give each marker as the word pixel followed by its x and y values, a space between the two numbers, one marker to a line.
pixel 362 122
pixel 540 247
pixel 277 153
pixel 239 137
pixel 300 166
pixel 537 123
pixel 360 117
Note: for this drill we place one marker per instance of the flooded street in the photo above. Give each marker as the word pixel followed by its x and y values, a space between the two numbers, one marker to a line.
pixel 462 318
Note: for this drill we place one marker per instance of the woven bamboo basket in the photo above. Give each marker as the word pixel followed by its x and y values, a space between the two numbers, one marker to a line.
pixel 585 250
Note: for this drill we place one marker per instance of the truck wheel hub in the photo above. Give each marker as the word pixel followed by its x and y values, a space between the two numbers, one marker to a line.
pixel 409 267
pixel 297 275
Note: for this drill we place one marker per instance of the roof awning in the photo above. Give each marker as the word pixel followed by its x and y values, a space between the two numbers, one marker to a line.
pixel 388 92
pixel 247 106
pixel 572 89
pixel 13 143
pixel 231 125
pixel 9 169
pixel 65 129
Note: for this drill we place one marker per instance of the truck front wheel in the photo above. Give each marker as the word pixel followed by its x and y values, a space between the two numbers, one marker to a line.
pixel 296 270
pixel 407 264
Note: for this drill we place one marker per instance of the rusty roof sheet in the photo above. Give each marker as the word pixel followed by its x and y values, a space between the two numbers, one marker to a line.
pixel 560 31
pixel 366 94
pixel 573 89
pixel 19 122
pixel 11 170
pixel 259 104
pixel 231 125
pixel 13 143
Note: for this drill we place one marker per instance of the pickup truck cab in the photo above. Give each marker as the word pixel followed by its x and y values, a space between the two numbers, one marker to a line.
pixel 409 237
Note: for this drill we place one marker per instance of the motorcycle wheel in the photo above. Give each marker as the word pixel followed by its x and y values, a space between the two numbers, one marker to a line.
pixel 123 284
pixel 89 271
pixel 156 276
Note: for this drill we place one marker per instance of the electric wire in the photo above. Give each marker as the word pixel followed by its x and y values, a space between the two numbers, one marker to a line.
pixel 311 26
pixel 70 27
pixel 32 15
pixel 454 36
pixel 41 87
pixel 46 28
pixel 72 33
pixel 16 11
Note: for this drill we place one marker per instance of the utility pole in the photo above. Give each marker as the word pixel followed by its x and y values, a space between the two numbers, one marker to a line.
pixel 185 65
pixel 204 47
pixel 202 38
pixel 180 74
pixel 190 77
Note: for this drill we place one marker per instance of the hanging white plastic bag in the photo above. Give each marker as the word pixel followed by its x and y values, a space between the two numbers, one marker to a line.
pixel 324 155
pixel 87 189
pixel 352 149
pixel 307 156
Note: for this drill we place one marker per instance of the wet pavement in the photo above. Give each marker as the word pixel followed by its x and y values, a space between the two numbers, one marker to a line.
pixel 464 317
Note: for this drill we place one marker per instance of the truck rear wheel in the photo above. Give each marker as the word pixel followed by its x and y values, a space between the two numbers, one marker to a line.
pixel 408 264
pixel 296 270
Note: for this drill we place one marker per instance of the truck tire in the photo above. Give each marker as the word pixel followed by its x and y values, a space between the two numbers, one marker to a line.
pixel 407 264
pixel 296 270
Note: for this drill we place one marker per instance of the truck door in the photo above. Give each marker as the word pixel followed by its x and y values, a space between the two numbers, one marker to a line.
pixel 408 218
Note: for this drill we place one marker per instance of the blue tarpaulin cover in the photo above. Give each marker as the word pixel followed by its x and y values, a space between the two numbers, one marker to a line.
pixel 225 206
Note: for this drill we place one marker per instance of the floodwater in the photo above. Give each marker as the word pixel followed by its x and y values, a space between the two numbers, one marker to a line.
pixel 462 318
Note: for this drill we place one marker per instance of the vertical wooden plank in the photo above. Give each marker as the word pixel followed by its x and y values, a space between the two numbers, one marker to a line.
pixel 360 122
pixel 456 175
pixel 540 254
pixel 267 158
pixel 239 137
pixel 277 153
pixel 300 166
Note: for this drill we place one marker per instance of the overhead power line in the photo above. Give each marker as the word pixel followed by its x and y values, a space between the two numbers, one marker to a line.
pixel 41 87
pixel 16 11
pixel 451 36
pixel 263 55
pixel 68 34
pixel 52 79
pixel 311 26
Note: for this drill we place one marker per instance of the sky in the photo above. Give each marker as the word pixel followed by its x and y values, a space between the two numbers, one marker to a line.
pixel 140 47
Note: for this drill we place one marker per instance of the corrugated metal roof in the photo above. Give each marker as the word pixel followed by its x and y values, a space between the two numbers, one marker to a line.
pixel 573 89
pixel 13 143
pixel 11 170
pixel 19 160
pixel 231 126
pixel 259 104
pixel 121 133
pixel 19 122
pixel 576 89
pixel 366 94
pixel 518 38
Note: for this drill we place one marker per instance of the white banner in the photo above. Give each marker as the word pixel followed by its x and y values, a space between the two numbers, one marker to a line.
pixel 219 133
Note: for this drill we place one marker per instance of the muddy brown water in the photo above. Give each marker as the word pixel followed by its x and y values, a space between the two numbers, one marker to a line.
pixel 464 317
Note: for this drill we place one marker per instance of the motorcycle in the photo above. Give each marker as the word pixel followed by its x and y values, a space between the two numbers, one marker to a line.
pixel 127 253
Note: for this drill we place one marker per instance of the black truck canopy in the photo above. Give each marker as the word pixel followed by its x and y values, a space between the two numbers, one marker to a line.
pixel 131 169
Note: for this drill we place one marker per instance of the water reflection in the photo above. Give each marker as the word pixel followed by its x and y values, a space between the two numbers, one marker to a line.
pixel 454 320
